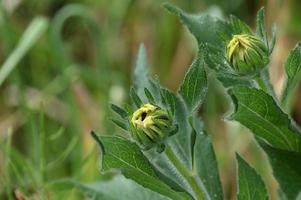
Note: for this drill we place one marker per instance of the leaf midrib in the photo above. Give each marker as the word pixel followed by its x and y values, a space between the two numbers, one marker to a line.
pixel 133 168
pixel 270 123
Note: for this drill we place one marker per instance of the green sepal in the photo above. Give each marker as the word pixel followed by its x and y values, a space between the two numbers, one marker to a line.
pixel 135 98
pixel 120 111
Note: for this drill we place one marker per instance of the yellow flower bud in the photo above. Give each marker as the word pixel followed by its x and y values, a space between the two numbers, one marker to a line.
pixel 247 54
pixel 150 125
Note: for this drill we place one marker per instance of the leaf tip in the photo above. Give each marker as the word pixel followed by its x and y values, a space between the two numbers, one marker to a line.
pixel 96 138
pixel 141 49
pixel 261 10
pixel 172 8
pixel 238 157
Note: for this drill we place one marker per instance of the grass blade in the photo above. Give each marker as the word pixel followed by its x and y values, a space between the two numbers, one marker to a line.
pixel 30 36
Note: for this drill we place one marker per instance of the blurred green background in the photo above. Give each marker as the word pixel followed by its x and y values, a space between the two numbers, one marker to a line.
pixel 75 56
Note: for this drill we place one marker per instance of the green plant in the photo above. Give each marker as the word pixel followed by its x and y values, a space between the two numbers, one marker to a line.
pixel 185 167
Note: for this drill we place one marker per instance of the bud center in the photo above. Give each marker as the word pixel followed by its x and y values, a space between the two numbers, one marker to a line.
pixel 143 116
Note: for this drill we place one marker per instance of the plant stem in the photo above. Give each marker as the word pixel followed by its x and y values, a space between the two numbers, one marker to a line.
pixel 42 148
pixel 287 100
pixel 6 167
pixel 263 81
pixel 189 177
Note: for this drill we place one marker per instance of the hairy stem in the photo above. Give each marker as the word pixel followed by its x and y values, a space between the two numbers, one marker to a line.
pixel 263 81
pixel 189 177
pixel 287 100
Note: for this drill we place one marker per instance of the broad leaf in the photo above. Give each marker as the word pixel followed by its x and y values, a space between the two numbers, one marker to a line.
pixel 293 71
pixel 141 73
pixel 250 185
pixel 230 80
pixel 118 188
pixel 286 169
pixel 194 87
pixel 203 27
pixel 260 113
pixel 141 76
pixel 121 154
pixel 206 166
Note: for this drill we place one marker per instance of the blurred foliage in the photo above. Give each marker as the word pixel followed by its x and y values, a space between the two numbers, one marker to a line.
pixel 58 92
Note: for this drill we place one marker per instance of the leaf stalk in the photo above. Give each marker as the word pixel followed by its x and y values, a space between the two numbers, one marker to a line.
pixel 189 177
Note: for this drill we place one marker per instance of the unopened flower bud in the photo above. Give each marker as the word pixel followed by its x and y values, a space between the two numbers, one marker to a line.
pixel 150 125
pixel 247 54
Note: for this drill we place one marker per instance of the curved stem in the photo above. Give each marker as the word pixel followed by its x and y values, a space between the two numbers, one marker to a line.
pixel 189 177
pixel 286 99
pixel 263 81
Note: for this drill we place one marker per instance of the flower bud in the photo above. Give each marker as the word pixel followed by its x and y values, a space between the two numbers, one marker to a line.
pixel 247 54
pixel 150 125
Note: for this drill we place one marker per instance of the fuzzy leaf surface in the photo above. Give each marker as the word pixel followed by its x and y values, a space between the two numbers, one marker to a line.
pixel 179 142
pixel 123 155
pixel 215 59
pixel 293 71
pixel 203 27
pixel 286 169
pixel 260 25
pixel 250 185
pixel 118 188
pixel 141 77
pixel 194 86
pixel 260 113
pixel 206 166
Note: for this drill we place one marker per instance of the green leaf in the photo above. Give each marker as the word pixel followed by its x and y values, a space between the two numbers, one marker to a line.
pixel 194 86
pixel 149 96
pixel 239 27
pixel 121 154
pixel 230 80
pixel 250 185
pixel 260 25
pixel 168 99
pixel 179 142
pixel 286 169
pixel 203 27
pixel 142 78
pixel 260 113
pixel 121 123
pixel 121 112
pixel 273 39
pixel 141 73
pixel 202 166
pixel 293 71
pixel 206 166
pixel 261 30
pixel 118 188
pixel 216 60
pixel 135 98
